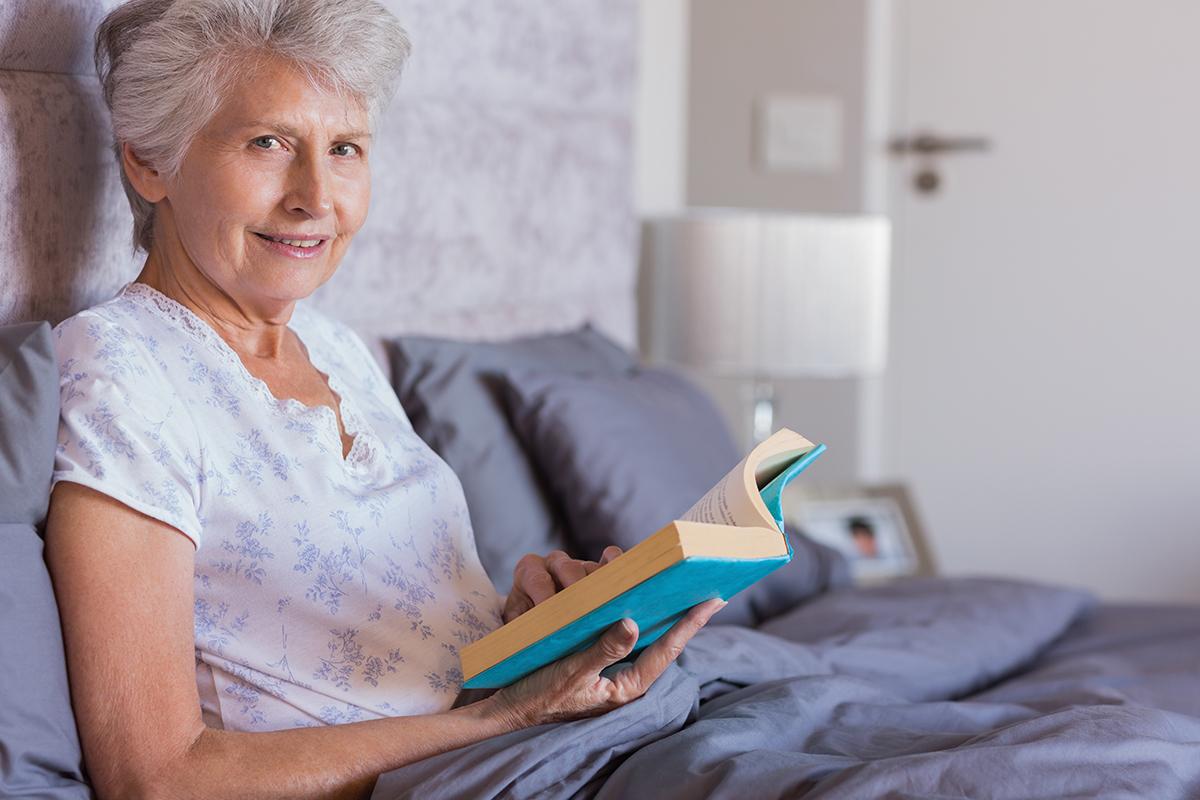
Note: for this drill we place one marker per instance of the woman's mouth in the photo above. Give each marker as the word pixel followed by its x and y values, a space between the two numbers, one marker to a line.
pixel 294 246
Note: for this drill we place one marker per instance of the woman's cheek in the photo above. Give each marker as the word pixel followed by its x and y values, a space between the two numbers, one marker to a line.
pixel 357 192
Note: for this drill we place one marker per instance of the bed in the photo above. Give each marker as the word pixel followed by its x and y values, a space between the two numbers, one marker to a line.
pixel 931 688
pixel 500 279
pixel 809 687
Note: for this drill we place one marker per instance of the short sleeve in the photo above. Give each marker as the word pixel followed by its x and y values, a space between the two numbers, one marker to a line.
pixel 123 430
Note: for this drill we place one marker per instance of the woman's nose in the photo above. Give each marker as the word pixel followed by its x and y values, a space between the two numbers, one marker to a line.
pixel 309 188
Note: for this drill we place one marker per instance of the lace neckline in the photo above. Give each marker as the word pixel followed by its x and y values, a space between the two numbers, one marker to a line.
pixel 362 449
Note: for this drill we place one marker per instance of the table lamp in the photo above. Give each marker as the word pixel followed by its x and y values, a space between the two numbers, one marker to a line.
pixel 760 296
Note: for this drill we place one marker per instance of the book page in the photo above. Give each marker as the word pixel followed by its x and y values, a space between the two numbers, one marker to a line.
pixel 735 500
pixel 727 503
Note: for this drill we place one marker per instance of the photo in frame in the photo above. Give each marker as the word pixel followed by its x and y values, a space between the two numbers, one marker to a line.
pixel 874 527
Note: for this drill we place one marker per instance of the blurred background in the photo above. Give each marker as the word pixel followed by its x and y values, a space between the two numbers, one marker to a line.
pixel 1040 398
pixel 952 240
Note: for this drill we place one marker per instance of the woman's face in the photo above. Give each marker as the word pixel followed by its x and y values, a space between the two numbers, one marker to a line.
pixel 279 161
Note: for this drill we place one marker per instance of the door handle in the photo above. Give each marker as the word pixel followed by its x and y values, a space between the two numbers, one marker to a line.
pixel 932 144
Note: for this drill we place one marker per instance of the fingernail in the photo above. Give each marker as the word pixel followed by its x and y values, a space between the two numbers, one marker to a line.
pixel 722 605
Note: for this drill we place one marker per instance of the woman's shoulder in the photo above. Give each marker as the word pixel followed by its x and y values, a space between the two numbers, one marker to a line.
pixel 125 308
pixel 125 430
pixel 103 316
pixel 116 337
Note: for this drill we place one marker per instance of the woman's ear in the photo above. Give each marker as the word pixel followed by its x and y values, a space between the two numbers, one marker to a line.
pixel 145 179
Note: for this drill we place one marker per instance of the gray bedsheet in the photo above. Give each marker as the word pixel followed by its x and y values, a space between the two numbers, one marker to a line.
pixel 929 688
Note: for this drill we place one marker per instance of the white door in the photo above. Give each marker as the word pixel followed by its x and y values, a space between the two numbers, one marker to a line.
pixel 1043 393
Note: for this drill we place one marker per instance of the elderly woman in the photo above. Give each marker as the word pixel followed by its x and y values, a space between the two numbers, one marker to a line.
pixel 249 543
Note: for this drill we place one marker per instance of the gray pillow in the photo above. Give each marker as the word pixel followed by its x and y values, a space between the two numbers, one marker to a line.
pixel 39 747
pixel 451 392
pixel 29 423
pixel 627 453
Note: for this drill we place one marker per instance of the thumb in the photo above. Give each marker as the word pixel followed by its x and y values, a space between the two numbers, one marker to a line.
pixel 616 643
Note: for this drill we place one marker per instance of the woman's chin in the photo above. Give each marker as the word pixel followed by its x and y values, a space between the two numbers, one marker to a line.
pixel 283 285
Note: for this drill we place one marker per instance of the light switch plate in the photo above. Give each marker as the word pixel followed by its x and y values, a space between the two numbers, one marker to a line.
pixel 800 132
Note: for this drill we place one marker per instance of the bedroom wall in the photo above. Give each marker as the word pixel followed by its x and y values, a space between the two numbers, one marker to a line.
pixel 660 111
pixel 502 174
pixel 743 52
pixel 706 67
pixel 1045 295
pixel 1043 396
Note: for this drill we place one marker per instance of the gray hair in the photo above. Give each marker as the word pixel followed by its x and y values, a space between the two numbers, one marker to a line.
pixel 165 66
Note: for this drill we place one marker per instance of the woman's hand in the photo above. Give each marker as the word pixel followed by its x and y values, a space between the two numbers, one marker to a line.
pixel 573 687
pixel 535 578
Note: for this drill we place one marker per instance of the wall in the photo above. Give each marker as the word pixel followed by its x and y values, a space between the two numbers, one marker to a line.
pixel 739 53
pixel 1043 397
pixel 732 56
pixel 502 174
pixel 660 117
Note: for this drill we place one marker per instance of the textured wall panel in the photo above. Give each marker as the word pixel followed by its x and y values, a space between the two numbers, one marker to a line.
pixel 494 205
pixel 502 174
pixel 49 35
pixel 567 53
pixel 65 226
pixel 559 53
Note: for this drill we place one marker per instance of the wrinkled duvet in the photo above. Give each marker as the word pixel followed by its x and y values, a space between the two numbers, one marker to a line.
pixel 929 688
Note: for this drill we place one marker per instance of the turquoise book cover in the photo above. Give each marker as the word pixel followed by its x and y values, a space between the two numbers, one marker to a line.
pixel 658 602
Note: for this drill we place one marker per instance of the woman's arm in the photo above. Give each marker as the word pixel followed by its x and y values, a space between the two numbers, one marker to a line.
pixel 124 588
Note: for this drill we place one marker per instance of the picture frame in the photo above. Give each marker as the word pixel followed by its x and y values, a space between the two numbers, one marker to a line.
pixel 875 527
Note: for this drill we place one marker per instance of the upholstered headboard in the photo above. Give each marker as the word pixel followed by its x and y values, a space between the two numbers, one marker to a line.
pixel 502 199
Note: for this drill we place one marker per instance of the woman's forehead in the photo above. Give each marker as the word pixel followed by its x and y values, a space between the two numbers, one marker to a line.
pixel 277 95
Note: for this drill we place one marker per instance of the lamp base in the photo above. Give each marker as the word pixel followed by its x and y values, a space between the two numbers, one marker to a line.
pixel 762 421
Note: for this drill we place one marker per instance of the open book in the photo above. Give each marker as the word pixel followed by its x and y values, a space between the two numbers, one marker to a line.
pixel 730 538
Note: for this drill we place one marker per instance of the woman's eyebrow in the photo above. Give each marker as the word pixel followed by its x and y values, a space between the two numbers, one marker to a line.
pixel 288 130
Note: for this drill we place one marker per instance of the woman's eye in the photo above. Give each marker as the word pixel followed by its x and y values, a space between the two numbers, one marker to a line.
pixel 345 149
pixel 264 142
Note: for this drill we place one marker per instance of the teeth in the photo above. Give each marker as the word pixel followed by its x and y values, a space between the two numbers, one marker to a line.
pixel 294 242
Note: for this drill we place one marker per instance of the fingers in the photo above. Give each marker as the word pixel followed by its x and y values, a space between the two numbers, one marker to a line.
pixel 532 578
pixel 657 657
pixel 616 643
pixel 573 687
pixel 610 552
pixel 516 604
pixel 536 579
pixel 564 569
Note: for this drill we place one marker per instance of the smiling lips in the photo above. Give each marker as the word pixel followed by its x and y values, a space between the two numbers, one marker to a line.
pixel 295 245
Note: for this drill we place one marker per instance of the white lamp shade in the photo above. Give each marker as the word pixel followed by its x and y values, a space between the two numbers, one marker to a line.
pixel 766 294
